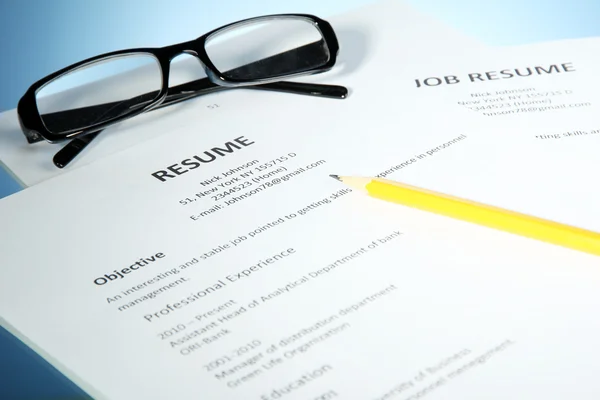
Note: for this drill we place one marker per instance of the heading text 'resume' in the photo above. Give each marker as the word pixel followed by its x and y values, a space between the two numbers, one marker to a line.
pixel 188 164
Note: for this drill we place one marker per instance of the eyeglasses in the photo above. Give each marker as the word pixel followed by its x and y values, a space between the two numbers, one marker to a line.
pixel 79 101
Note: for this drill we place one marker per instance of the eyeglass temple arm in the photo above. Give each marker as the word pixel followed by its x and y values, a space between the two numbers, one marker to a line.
pixel 182 92
pixel 68 153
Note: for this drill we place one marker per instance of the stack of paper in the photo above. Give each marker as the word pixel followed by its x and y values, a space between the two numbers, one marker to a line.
pixel 256 276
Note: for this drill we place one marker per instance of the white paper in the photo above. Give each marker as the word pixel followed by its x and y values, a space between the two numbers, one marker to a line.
pixel 150 274
pixel 538 136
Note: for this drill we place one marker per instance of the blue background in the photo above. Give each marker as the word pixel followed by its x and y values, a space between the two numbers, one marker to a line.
pixel 38 37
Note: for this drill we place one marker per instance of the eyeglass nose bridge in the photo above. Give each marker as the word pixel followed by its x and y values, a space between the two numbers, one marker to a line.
pixel 194 48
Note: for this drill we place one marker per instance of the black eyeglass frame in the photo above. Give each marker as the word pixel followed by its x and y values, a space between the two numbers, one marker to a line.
pixel 35 130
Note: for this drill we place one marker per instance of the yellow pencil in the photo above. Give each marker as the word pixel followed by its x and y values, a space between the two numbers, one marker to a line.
pixel 482 214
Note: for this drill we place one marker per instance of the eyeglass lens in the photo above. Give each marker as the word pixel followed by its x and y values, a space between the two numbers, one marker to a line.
pixel 97 92
pixel 273 47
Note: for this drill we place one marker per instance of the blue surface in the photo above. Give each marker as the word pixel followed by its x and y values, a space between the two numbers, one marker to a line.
pixel 40 36
pixel 7 184
pixel 25 375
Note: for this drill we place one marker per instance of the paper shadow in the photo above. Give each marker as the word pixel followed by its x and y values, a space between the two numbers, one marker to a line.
pixel 354 50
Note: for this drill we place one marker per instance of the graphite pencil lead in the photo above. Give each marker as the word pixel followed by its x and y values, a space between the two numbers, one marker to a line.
pixel 336 177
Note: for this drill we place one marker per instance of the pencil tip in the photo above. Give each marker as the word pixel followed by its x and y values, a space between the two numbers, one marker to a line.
pixel 336 177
